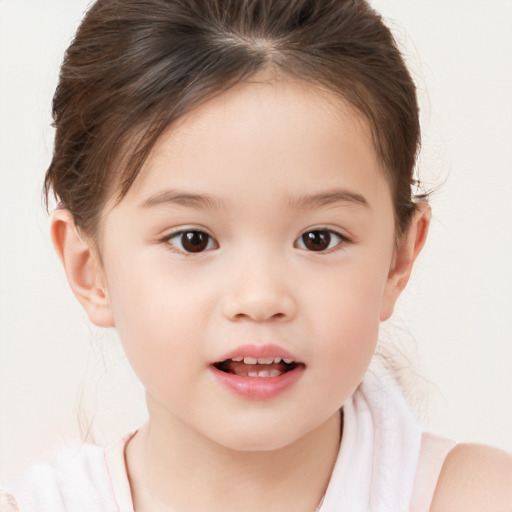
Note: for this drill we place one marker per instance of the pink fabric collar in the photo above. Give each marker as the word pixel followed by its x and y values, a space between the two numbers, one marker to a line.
pixel 116 467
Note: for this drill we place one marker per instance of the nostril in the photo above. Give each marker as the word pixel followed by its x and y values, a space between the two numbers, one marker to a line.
pixel 260 307
pixel 261 316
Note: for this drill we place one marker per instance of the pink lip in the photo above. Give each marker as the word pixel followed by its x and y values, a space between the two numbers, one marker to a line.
pixel 258 388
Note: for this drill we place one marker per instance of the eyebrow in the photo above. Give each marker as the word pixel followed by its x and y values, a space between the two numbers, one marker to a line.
pixel 186 199
pixel 331 197
pixel 204 201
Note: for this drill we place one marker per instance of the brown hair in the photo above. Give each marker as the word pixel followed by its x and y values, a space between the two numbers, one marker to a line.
pixel 135 66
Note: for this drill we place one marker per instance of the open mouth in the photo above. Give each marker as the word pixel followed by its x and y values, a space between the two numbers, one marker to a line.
pixel 256 367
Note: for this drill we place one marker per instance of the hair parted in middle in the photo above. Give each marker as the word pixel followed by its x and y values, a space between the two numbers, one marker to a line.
pixel 136 66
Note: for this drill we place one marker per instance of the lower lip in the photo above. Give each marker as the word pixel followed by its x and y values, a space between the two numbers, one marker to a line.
pixel 258 388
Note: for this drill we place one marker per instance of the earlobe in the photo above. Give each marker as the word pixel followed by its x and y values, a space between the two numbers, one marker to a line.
pixel 408 247
pixel 82 268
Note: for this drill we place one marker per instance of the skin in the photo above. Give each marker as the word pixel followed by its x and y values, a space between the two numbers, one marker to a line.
pixel 296 160
pixel 474 478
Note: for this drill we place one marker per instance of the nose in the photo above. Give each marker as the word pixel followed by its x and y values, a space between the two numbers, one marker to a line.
pixel 258 296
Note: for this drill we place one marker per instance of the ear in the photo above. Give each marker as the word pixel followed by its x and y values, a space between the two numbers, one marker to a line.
pixel 83 268
pixel 408 247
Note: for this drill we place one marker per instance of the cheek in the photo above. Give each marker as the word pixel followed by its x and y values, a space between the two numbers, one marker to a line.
pixel 350 293
pixel 351 332
pixel 146 329
pixel 350 337
pixel 347 314
pixel 161 319
pixel 162 352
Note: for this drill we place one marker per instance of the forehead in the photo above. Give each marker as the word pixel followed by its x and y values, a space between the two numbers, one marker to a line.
pixel 270 137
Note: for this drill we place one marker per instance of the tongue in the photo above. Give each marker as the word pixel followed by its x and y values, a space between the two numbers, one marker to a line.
pixel 244 370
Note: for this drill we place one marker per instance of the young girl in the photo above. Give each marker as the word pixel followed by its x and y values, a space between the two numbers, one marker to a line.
pixel 235 187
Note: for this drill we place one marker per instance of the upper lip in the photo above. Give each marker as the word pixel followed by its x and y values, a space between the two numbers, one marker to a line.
pixel 259 352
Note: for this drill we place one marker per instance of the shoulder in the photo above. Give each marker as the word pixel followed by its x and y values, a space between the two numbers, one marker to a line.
pixel 474 478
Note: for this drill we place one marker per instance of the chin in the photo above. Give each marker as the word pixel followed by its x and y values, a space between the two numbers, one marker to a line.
pixel 266 439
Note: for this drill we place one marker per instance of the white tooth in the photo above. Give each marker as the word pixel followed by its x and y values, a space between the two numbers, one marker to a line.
pixel 264 373
pixel 277 360
pixel 237 359
pixel 265 360
pixel 274 373
pixel 252 374
pixel 288 361
pixel 250 360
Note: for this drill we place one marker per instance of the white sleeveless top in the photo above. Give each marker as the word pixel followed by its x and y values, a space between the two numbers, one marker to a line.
pixel 384 464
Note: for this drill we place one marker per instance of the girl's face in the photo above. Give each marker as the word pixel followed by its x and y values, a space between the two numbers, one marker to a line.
pixel 260 229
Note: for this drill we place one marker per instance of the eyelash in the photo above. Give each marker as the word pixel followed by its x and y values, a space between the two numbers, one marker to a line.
pixel 195 233
pixel 206 242
pixel 321 232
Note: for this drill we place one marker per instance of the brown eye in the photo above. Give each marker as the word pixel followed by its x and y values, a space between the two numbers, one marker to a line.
pixel 192 241
pixel 319 240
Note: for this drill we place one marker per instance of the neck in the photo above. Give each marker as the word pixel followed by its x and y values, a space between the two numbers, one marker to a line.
pixel 172 471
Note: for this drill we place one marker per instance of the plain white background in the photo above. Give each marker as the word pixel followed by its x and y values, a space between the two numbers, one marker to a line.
pixel 454 321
